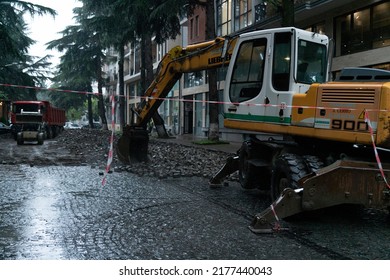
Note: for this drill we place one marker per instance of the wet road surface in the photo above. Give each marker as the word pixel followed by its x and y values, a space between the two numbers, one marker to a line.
pixel 63 212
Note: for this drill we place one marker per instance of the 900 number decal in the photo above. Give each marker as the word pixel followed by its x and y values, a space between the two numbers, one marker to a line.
pixel 349 125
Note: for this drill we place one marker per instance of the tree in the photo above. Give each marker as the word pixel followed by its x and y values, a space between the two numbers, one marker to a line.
pixel 16 66
pixel 145 19
pixel 83 60
pixel 213 133
pixel 288 13
pixel 121 21
pixel 286 10
pixel 109 23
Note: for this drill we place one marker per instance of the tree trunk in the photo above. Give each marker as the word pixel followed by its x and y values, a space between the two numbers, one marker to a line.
pixel 90 113
pixel 287 15
pixel 213 132
pixel 101 109
pixel 122 102
pixel 149 76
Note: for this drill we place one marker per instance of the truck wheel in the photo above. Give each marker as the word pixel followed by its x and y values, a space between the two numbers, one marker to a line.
pixel 20 141
pixel 247 173
pixel 49 133
pixel 287 171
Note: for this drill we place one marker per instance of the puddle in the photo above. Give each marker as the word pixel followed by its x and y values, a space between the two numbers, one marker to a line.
pixel 41 221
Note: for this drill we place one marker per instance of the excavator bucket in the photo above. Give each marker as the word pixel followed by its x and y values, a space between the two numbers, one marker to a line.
pixel 132 146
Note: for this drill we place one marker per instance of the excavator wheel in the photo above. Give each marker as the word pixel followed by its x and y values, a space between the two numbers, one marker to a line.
pixel 132 146
pixel 313 163
pixel 287 171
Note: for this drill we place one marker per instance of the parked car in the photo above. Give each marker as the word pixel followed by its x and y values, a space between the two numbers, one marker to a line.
pixel 96 125
pixel 70 125
pixel 4 129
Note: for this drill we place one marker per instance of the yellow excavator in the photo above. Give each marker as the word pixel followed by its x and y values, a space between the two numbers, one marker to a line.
pixel 311 142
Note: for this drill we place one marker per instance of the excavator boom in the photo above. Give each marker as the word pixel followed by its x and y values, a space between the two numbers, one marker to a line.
pixel 203 56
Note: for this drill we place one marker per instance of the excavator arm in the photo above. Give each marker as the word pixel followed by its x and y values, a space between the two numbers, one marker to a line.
pixel 207 55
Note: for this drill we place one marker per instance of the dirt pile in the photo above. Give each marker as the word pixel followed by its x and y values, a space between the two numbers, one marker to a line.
pixel 166 159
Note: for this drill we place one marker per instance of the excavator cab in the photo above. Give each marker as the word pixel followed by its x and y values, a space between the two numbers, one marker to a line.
pixel 267 69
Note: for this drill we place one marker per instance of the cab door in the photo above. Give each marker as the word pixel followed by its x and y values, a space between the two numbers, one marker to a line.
pixel 245 82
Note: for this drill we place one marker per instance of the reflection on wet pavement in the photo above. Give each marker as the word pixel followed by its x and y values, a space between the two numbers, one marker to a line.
pixel 42 226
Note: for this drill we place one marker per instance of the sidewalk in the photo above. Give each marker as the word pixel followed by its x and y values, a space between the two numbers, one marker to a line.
pixel 190 140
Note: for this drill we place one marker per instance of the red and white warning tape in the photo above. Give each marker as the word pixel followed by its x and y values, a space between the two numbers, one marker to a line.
pixel 277 226
pixel 49 89
pixel 148 98
pixel 111 149
pixel 110 154
pixel 378 160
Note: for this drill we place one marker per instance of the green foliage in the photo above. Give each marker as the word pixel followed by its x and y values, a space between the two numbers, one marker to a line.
pixel 74 114
pixel 16 66
pixel 95 108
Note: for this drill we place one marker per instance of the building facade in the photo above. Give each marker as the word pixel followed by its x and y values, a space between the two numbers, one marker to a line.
pixel 360 30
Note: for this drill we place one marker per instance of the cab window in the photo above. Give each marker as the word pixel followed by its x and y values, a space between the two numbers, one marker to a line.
pixel 247 77
pixel 312 62
pixel 282 61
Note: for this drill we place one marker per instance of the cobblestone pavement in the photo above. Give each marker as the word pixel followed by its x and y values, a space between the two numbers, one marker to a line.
pixel 63 212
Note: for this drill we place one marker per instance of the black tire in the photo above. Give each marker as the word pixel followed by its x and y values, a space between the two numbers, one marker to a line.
pixel 288 169
pixel 313 163
pixel 49 133
pixel 247 173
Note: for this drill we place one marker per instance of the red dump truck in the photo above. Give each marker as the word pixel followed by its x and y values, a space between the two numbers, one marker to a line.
pixel 36 121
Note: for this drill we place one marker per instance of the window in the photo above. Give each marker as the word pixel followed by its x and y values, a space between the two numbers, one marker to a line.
pixel 363 30
pixel 317 28
pixel 193 79
pixel 191 29
pixel 224 17
pixel 196 26
pixel 247 77
pixel 353 30
pixel 381 25
pixel 261 11
pixel 242 14
pixel 312 62
pixel 282 60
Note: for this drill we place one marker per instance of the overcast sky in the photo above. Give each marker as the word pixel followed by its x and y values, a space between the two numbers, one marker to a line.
pixel 45 28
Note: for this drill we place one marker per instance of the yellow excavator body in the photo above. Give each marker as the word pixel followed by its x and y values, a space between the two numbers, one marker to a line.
pixel 332 138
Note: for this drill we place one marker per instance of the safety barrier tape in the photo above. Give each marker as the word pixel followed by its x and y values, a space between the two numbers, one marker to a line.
pixel 277 226
pixel 282 106
pixel 378 160
pixel 49 89
pixel 111 149
pixel 147 98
